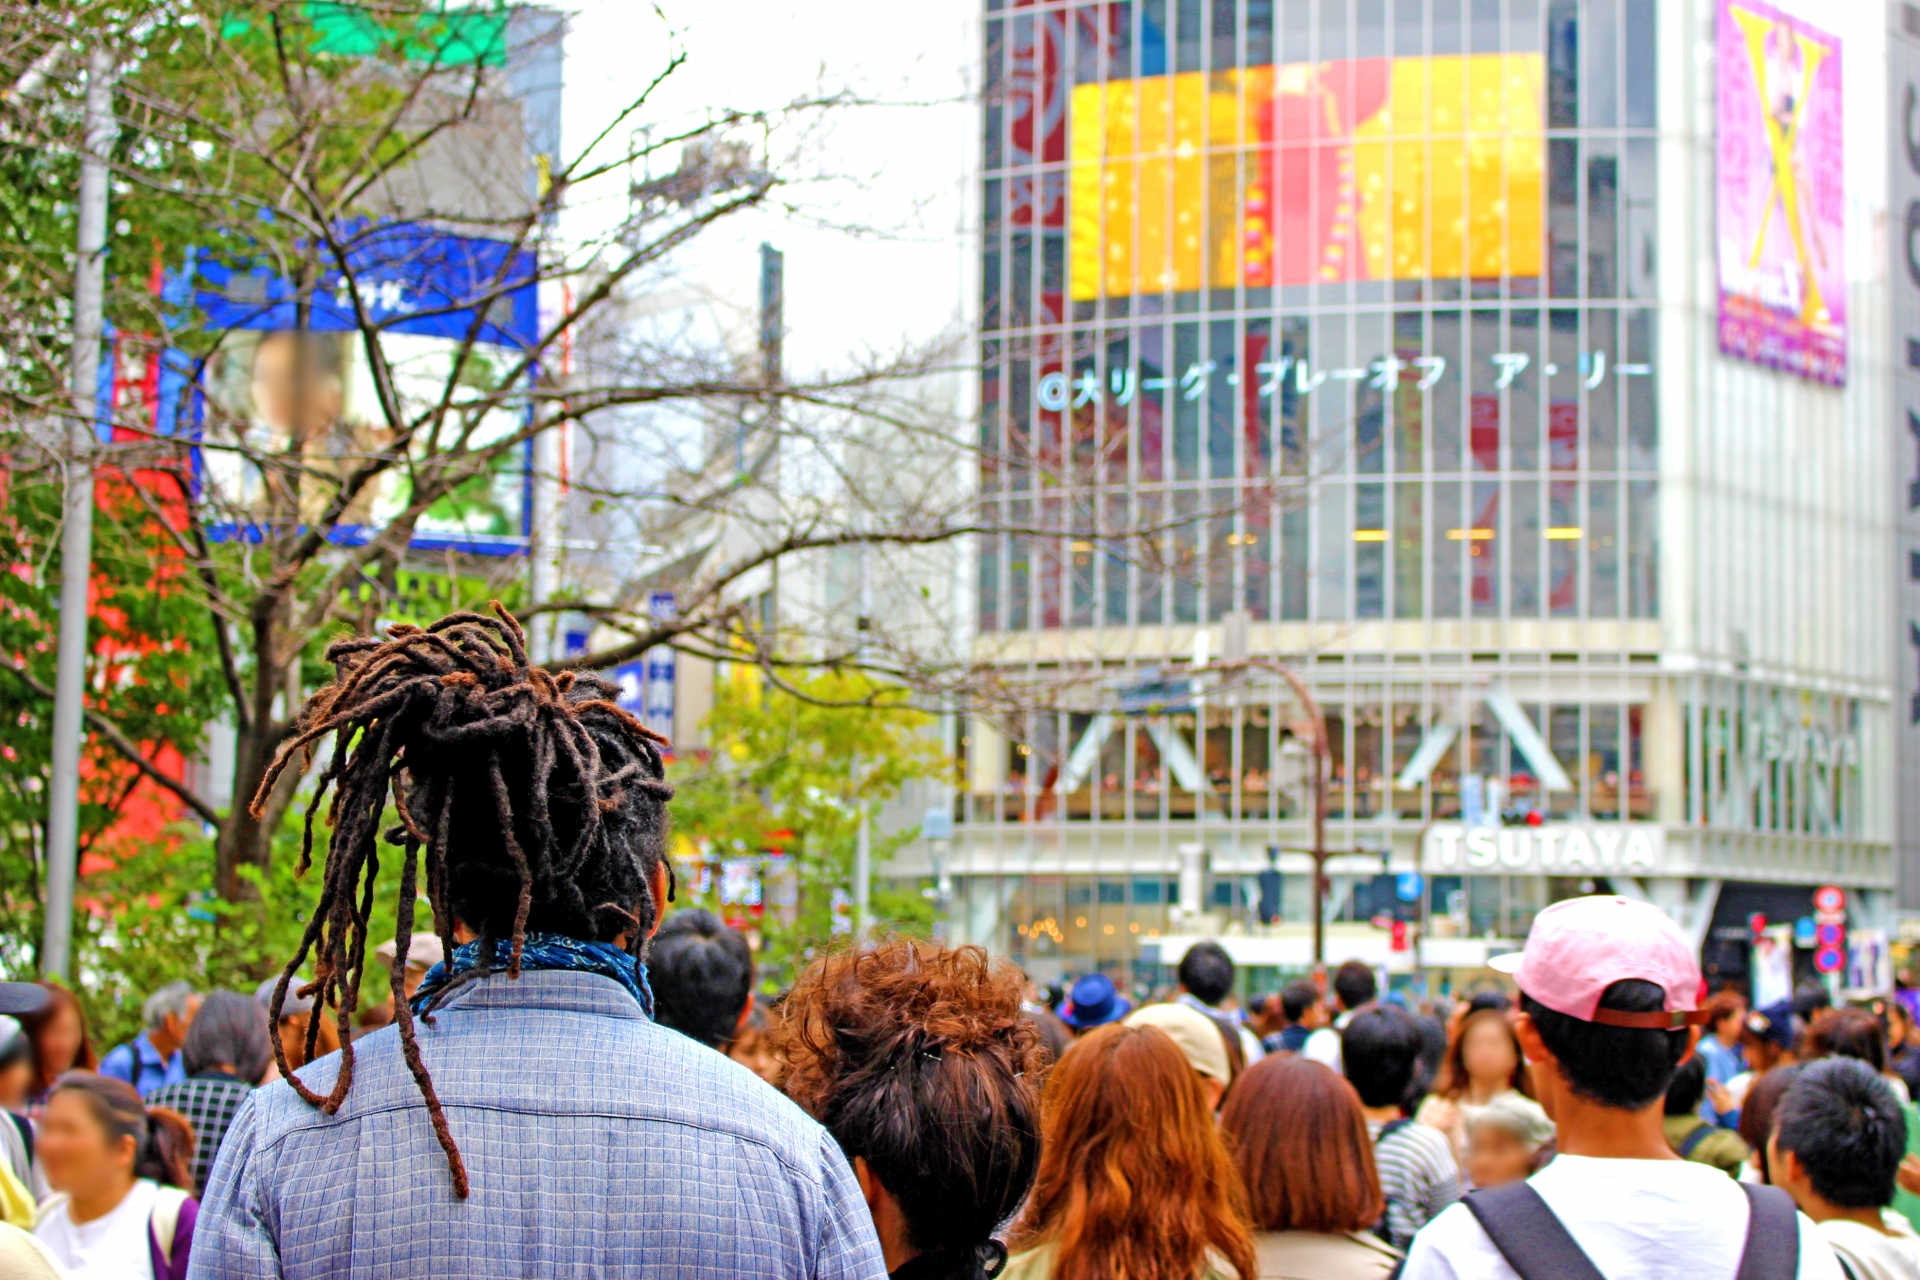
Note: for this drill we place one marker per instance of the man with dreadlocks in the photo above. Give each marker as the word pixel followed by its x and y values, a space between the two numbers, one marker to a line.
pixel 534 1121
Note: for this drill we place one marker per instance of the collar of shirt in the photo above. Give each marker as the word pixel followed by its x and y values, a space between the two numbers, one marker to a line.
pixel 572 990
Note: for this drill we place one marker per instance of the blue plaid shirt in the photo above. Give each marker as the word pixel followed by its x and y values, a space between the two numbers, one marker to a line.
pixel 597 1142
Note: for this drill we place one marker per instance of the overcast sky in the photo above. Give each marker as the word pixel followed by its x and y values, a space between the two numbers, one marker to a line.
pixel 900 169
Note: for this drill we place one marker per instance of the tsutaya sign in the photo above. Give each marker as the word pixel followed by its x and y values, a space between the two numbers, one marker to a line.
pixel 1556 848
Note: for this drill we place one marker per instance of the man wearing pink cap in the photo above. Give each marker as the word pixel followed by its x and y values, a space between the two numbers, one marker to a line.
pixel 1609 994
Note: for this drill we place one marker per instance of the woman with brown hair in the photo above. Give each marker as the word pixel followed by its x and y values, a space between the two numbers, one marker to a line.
pixel 1135 1182
pixel 1300 1145
pixel 1483 1062
pixel 921 1064
pixel 60 1042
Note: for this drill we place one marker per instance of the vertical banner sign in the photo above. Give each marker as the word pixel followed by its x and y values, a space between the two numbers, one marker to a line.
pixel 1903 279
pixel 1779 198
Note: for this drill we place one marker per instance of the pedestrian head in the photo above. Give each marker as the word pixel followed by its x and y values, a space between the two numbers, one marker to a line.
pixel 1838 1138
pixel 169 1011
pixel 97 1138
pixel 60 1041
pixel 752 1044
pixel 1810 999
pixel 1303 1004
pixel 423 952
pixel 1768 1036
pixel 1354 984
pixel 1206 971
pixel 1848 1033
pixel 1093 1002
pixel 229 1034
pixel 538 803
pixel 16 1064
pixel 1300 1146
pixel 304 1030
pixel 1608 995
pixel 1483 1053
pixel 1504 1140
pixel 1726 1014
pixel 1379 1051
pixel 1688 1086
pixel 1055 1036
pixel 1757 1111
pixel 1200 1040
pixel 918 1060
pixel 1134 1178
pixel 702 977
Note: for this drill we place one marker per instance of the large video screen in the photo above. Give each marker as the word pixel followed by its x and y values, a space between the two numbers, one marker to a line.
pixel 1780 198
pixel 1303 173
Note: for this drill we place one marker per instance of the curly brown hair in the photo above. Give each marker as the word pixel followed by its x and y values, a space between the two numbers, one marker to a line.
pixel 917 1059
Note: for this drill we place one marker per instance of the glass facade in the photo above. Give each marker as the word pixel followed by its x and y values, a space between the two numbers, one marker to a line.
pixel 1326 331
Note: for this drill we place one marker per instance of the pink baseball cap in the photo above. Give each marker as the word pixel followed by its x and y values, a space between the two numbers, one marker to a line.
pixel 1580 947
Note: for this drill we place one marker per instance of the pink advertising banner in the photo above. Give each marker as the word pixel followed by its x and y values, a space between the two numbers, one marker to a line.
pixel 1783 280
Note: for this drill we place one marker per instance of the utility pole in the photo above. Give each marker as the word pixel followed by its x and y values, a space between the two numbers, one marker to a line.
pixel 863 843
pixel 76 536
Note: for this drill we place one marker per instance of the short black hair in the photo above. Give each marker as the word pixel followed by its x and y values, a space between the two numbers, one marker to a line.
pixel 1809 998
pixel 1624 1067
pixel 1688 1086
pixel 1848 1130
pixel 1379 1051
pixel 701 972
pixel 1353 983
pixel 1298 997
pixel 1207 971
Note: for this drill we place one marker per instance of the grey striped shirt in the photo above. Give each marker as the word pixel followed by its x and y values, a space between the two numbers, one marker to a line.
pixel 1418 1175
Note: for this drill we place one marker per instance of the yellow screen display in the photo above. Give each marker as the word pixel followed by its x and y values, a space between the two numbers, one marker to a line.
pixel 1366 169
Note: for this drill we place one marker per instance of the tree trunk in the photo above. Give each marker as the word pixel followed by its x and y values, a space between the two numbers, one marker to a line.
pixel 247 841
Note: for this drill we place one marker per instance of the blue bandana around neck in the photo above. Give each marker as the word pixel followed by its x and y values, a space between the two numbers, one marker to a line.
pixel 545 951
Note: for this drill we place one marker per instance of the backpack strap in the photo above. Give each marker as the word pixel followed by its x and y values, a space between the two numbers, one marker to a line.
pixel 1773 1236
pixel 1691 1143
pixel 1528 1235
pixel 1230 1039
pixel 25 1128
pixel 164 1222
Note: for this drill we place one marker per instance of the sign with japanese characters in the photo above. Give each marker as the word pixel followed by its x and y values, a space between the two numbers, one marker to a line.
pixel 1057 390
pixel 1779 200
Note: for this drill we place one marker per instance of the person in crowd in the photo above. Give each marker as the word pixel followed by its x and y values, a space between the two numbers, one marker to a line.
pixel 1303 1011
pixel 752 1044
pixel 1691 1137
pixel 1838 1138
pixel 120 1173
pixel 297 1017
pixel 1608 995
pixel 1134 1176
pixel 58 1030
pixel 1419 1173
pixel 424 952
pixel 1854 1033
pixel 1756 1117
pixel 921 1063
pixel 1721 1051
pixel 1810 999
pixel 1766 1042
pixel 1092 1002
pixel 1903 1056
pixel 1506 1140
pixel 1055 1036
pixel 17 1074
pixel 1265 1018
pixel 226 1053
pixel 1206 979
pixel 1354 988
pixel 152 1058
pixel 1427 1066
pixel 702 976
pixel 1300 1145
pixel 1483 1062
pixel 529 1064
pixel 1201 1040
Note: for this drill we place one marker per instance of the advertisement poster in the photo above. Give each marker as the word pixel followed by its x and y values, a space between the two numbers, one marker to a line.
pixel 1781 217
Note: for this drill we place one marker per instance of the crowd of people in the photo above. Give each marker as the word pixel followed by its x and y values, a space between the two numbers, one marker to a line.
pixel 559 1075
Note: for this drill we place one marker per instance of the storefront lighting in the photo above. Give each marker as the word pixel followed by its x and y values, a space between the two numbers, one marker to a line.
pixel 1369 535
pixel 1565 533
pixel 1476 535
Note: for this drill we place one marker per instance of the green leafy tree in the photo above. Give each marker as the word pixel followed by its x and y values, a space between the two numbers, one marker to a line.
pixel 789 772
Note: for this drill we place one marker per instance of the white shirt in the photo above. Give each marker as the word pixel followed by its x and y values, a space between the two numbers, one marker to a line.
pixel 1323 1047
pixel 1648 1219
pixel 112 1247
pixel 1874 1255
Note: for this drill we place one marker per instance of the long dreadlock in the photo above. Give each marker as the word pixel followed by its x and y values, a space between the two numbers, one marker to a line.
pixel 539 802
